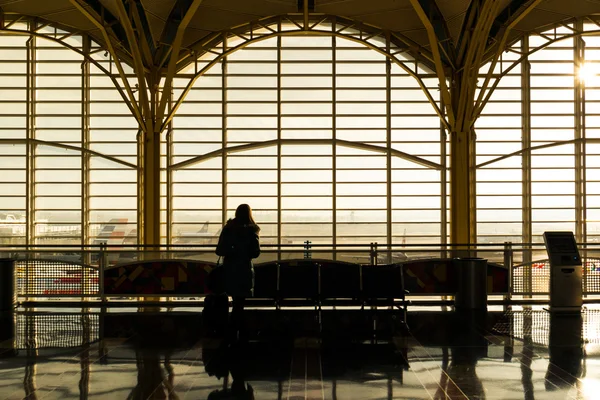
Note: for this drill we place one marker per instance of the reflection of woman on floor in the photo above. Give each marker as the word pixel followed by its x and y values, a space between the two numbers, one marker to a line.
pixel 229 357
pixel 238 245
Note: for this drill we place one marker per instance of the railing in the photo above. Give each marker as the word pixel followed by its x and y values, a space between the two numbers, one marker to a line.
pixel 75 272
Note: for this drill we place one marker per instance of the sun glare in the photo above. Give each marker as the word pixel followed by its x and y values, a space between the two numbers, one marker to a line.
pixel 589 73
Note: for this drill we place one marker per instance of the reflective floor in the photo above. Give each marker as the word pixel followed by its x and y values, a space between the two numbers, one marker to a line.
pixel 521 353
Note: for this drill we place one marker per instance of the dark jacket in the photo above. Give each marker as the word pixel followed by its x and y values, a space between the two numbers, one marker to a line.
pixel 238 245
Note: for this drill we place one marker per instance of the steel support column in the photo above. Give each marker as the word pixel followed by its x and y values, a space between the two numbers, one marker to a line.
pixel 462 188
pixel 85 174
pixel 580 150
pixel 334 145
pixel 444 185
pixel 279 164
pixel 224 137
pixel 527 234
pixel 170 151
pixel 31 147
pixel 388 125
pixel 580 144
pixel 85 144
pixel 150 188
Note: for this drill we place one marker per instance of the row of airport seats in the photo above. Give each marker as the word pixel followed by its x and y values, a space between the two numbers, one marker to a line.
pixel 326 282
pixel 300 282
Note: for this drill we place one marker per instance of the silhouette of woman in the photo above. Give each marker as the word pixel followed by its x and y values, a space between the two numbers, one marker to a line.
pixel 238 245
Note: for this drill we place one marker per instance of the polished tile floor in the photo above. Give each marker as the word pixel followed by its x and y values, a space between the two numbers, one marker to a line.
pixel 522 353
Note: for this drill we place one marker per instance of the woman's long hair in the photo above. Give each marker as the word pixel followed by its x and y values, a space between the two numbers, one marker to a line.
pixel 243 215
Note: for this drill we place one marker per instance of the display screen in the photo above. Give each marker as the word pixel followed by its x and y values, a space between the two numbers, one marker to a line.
pixel 562 248
pixel 559 242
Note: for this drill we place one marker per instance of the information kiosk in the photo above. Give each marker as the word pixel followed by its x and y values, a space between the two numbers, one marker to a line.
pixel 565 272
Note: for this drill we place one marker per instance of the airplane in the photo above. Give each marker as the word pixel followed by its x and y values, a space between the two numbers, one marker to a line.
pixel 202 236
pixel 11 225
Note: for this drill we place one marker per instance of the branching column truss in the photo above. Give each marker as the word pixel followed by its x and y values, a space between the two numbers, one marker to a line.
pixel 458 69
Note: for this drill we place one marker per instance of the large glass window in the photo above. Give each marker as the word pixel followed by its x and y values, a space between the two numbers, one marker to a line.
pixel 311 132
pixel 63 128
pixel 327 139
pixel 549 98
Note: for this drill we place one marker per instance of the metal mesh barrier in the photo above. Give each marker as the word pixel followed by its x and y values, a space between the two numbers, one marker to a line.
pixel 531 278
pixel 534 278
pixel 56 330
pixel 591 276
pixel 54 273
pixel 49 278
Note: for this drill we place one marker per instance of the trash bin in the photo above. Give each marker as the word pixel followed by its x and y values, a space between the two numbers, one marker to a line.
pixel 8 289
pixel 471 291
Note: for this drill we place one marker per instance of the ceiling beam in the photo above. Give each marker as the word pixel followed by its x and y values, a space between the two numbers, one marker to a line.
pixel 108 25
pixel 438 22
pixel 164 50
pixel 439 64
pixel 95 19
pixel 142 27
pixel 144 98
pixel 512 11
pixel 306 14
pixel 466 32
pixel 175 48
pixel 501 39
pixel 110 20
pixel 469 68
pixel 505 22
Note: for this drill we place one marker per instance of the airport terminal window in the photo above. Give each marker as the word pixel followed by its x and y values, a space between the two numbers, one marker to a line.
pixel 499 132
pixel 298 102
pixel 63 105
pixel 282 92
pixel 520 197
pixel 13 160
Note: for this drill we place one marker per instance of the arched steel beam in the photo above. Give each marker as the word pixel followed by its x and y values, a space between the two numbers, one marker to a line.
pixel 138 65
pixel 269 143
pixel 512 20
pixel 208 43
pixel 76 50
pixel 99 23
pixel 299 31
pixel 112 24
pixel 540 147
pixel 481 106
pixel 68 147
pixel 110 19
pixel 172 65
pixel 439 66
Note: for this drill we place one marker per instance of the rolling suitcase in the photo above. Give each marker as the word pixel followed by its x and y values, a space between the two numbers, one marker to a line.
pixel 215 314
